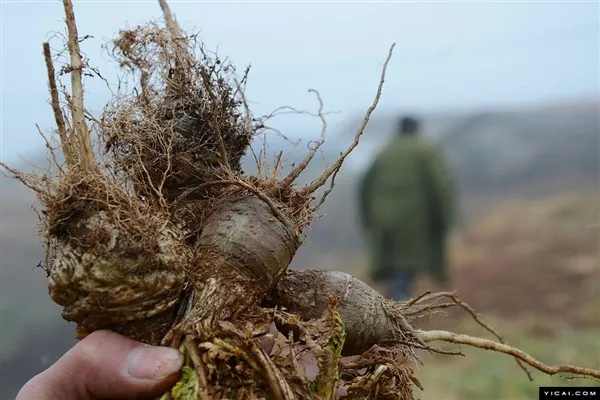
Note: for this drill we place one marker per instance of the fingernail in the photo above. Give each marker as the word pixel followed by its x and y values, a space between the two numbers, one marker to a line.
pixel 155 363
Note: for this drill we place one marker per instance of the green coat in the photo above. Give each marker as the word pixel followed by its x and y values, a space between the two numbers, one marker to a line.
pixel 407 207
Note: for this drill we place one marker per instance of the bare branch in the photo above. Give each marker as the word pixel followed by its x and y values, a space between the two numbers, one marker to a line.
pixel 415 345
pixel 65 141
pixel 474 315
pixel 256 161
pixel 33 185
pixel 418 298
pixel 194 353
pixel 316 184
pixel 288 180
pixel 324 197
pixel 263 153
pixel 215 120
pixel 86 153
pixel 429 336
pixel 277 164
pixel 280 389
pixel 183 57
pixel 429 309
pixel 172 25
pixel 277 132
pixel 240 88
pixel 50 149
pixel 277 382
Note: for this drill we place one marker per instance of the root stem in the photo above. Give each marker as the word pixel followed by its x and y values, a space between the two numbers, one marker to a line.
pixel 86 154
pixel 295 173
pixel 474 315
pixel 172 25
pixel 486 344
pixel 321 180
pixel 192 349
pixel 215 119
pixel 65 141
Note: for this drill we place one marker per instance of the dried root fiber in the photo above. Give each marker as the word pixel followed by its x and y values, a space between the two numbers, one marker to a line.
pixel 163 238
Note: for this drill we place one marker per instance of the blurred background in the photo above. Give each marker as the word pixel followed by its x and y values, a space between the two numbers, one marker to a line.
pixel 509 91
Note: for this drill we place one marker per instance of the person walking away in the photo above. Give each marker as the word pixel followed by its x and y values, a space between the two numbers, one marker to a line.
pixel 406 210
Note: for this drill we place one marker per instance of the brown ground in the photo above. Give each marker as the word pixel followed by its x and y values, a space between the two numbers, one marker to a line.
pixel 530 269
pixel 536 261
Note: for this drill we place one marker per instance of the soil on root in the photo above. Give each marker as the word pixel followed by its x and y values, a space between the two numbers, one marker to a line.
pixel 275 355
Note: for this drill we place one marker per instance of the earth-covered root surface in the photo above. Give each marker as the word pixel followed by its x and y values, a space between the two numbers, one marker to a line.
pixel 185 123
pixel 106 275
pixel 99 288
pixel 370 318
pixel 243 250
pixel 112 259
pixel 271 354
pixel 164 239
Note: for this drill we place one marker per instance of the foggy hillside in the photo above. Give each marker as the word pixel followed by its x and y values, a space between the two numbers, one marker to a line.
pixel 494 156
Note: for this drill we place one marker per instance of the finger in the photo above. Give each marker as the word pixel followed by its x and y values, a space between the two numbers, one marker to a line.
pixel 106 365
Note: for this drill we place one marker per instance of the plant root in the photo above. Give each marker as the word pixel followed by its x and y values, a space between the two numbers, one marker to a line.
pixel 455 300
pixel 164 239
pixel 486 344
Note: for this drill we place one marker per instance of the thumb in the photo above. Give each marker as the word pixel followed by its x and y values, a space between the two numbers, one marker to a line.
pixel 106 365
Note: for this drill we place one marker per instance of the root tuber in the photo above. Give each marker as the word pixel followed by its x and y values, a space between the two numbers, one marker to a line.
pixel 369 318
pixel 248 249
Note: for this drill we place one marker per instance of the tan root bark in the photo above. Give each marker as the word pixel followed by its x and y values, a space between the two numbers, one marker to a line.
pixel 430 336
pixel 77 106
pixel 369 318
pixel 59 117
pixel 247 250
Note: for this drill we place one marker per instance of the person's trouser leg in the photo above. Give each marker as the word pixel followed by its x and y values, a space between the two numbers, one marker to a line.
pixel 401 285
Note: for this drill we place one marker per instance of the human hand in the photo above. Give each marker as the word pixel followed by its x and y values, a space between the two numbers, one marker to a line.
pixel 106 365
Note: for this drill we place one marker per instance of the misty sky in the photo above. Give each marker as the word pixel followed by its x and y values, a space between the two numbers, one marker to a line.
pixel 451 55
